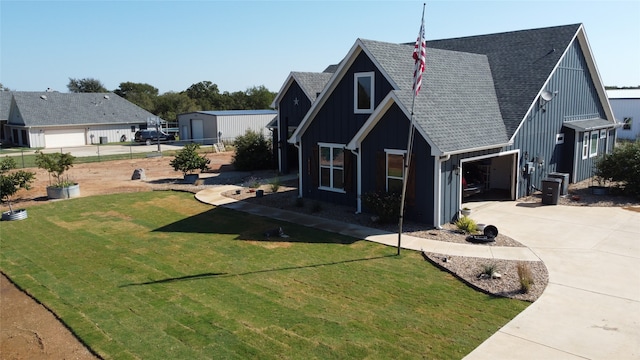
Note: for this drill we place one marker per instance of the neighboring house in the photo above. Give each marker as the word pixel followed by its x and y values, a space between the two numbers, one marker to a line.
pixel 626 107
pixel 53 119
pixel 210 127
pixel 293 101
pixel 499 111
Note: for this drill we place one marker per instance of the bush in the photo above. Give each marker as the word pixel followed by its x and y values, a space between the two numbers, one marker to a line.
pixel 253 152
pixel 525 277
pixel 275 185
pixel 623 166
pixel 386 205
pixel 187 160
pixel 11 181
pixel 466 224
pixel 489 269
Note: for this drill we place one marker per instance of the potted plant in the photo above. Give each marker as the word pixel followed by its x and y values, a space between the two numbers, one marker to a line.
pixel 10 183
pixel 56 164
pixel 465 211
pixel 187 160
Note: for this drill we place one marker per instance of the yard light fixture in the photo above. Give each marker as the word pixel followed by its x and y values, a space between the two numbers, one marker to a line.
pixel 456 169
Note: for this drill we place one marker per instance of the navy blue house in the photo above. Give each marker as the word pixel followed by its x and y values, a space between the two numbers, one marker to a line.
pixel 496 114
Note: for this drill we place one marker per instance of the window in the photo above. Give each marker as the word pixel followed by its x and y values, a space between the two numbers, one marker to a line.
pixel 395 170
pixel 332 166
pixel 593 144
pixel 363 96
pixel 560 139
pixel 626 123
pixel 585 145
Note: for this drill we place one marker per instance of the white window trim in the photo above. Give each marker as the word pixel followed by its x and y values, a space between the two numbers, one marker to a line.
pixel 593 136
pixel 386 167
pixel 585 145
pixel 357 76
pixel 327 188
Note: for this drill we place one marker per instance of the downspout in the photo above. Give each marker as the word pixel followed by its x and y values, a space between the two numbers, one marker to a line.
pixel 358 181
pixel 437 204
pixel 300 169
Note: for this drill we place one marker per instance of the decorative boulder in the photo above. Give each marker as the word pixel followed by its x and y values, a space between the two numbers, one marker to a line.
pixel 138 174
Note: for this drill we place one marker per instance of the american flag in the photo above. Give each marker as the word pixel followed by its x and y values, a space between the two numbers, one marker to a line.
pixel 419 55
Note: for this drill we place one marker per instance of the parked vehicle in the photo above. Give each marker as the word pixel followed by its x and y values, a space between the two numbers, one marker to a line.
pixel 149 136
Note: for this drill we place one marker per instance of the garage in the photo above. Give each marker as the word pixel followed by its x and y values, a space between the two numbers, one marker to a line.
pixel 491 178
pixel 64 138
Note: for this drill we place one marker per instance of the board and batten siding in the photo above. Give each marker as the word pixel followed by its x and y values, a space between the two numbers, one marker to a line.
pixel 290 114
pixel 336 123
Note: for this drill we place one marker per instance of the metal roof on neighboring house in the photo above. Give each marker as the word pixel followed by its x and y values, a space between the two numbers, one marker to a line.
pixel 238 112
pixel 589 124
pixel 59 109
pixel 623 94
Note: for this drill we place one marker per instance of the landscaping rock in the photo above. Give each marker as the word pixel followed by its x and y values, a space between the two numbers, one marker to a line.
pixel 138 174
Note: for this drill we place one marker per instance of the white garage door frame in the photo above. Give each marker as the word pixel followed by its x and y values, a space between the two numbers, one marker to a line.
pixel 64 138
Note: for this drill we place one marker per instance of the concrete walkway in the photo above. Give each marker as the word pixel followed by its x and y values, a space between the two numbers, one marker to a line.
pixel 591 306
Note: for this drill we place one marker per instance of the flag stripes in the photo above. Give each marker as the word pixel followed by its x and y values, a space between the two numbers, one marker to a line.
pixel 419 55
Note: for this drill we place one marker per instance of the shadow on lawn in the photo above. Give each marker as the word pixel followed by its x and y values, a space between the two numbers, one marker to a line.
pixel 204 276
pixel 251 228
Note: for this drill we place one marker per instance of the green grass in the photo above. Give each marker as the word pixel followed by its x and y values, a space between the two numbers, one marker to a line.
pixel 161 276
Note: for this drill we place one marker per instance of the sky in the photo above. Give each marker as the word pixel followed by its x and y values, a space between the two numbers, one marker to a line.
pixel 241 44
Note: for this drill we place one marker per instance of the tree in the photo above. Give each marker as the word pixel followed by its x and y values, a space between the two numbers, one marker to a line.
pixel 3 88
pixel 170 104
pixel 12 181
pixel 55 164
pixel 623 166
pixel 188 160
pixel 87 85
pixel 259 97
pixel 253 152
pixel 143 95
pixel 206 95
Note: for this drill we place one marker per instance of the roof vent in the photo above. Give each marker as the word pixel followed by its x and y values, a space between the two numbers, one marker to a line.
pixel 106 97
pixel 43 97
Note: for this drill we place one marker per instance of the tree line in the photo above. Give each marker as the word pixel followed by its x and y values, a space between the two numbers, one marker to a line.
pixel 204 95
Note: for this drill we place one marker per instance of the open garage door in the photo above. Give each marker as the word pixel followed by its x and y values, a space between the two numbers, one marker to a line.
pixel 64 138
pixel 490 178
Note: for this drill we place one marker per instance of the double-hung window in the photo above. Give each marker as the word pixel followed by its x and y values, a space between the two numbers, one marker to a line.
pixel 331 166
pixel 585 145
pixel 363 92
pixel 395 170
pixel 593 144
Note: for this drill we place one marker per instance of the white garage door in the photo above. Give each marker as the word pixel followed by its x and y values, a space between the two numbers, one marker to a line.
pixel 63 138
pixel 197 130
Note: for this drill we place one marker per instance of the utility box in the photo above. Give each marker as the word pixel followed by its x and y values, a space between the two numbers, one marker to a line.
pixel 551 191
pixel 564 188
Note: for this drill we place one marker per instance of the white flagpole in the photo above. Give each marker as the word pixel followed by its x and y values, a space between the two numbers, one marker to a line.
pixel 407 158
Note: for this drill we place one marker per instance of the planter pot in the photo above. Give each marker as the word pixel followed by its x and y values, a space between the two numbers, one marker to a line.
pixel 259 193
pixel 191 178
pixel 465 212
pixel 66 192
pixel 19 214
pixel 599 190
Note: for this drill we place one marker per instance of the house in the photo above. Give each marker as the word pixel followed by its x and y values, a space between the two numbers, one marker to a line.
pixel 53 119
pixel 211 127
pixel 497 113
pixel 292 102
pixel 626 108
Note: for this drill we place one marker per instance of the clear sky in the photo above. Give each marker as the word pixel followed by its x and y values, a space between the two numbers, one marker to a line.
pixel 240 44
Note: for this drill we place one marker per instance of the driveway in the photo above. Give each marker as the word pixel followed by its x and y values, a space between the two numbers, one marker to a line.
pixel 591 306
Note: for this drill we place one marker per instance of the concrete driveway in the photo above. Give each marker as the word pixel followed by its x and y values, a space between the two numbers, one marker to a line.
pixel 591 307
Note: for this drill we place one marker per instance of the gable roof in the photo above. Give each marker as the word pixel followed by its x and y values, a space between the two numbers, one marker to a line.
pixel 57 109
pixel 5 104
pixel 311 84
pixel 521 63
pixel 457 106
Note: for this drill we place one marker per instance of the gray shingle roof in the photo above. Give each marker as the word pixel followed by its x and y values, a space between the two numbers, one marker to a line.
pixel 521 62
pixel 312 83
pixel 56 109
pixel 457 107
pixel 5 104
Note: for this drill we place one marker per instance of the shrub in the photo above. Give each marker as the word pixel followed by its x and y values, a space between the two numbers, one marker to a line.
pixel 623 166
pixel 275 185
pixel 386 205
pixel 55 164
pixel 466 224
pixel 525 277
pixel 489 269
pixel 253 152
pixel 187 160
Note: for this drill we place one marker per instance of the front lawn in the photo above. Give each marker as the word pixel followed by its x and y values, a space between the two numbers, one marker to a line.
pixel 158 275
